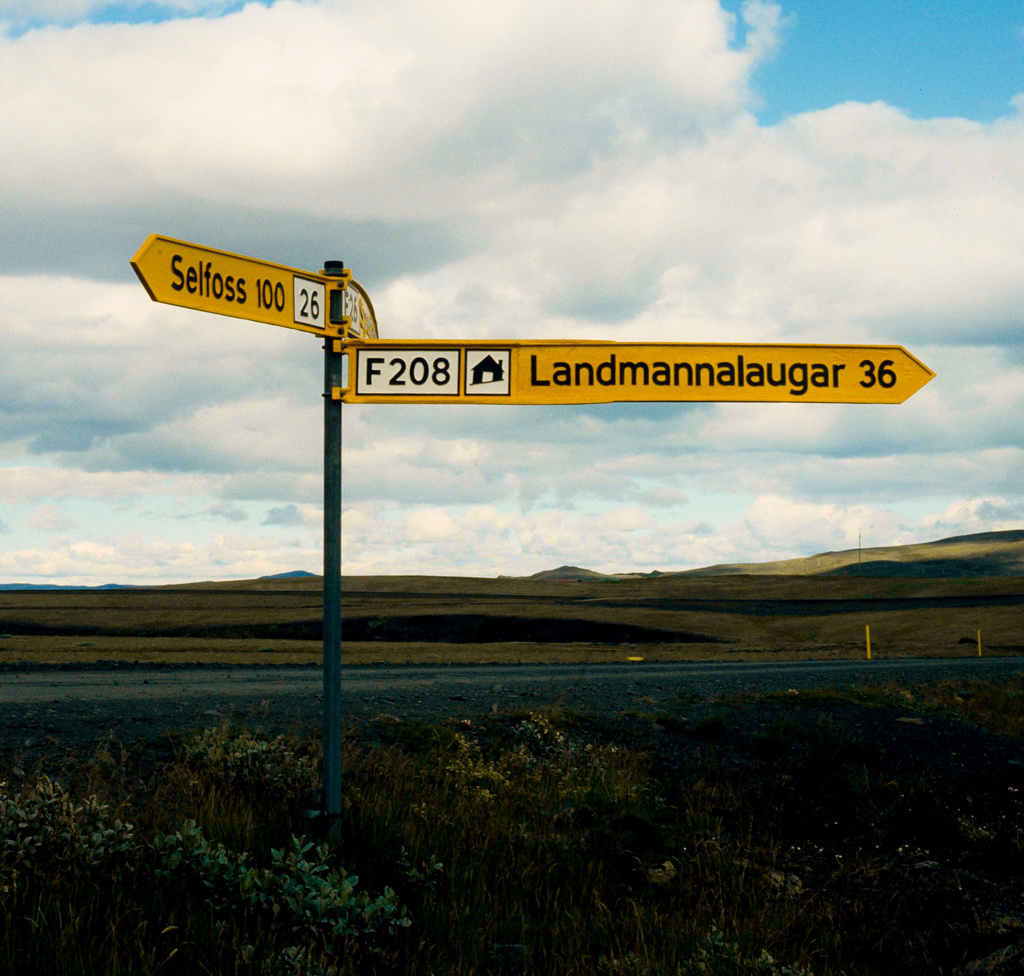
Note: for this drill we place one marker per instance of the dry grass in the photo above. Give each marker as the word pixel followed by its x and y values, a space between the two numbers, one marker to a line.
pixel 997 706
pixel 568 847
pixel 164 650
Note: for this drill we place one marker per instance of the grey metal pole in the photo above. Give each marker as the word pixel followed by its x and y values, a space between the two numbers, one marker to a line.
pixel 332 582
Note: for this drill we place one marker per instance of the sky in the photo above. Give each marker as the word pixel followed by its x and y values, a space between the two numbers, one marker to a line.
pixel 641 170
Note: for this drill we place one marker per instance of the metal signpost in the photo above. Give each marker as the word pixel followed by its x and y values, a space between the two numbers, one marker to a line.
pixel 331 304
pixel 330 798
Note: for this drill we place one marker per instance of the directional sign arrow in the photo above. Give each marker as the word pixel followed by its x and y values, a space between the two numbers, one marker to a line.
pixel 553 372
pixel 204 278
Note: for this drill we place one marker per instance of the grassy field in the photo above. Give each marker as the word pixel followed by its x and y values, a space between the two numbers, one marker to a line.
pixel 399 619
pixel 810 840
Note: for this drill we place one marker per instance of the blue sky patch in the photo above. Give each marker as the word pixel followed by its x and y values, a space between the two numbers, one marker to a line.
pixel 124 13
pixel 945 58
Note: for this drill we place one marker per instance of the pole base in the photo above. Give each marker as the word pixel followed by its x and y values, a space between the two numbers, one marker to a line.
pixel 319 823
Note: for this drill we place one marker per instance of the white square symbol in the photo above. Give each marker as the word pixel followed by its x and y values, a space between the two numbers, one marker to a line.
pixel 487 372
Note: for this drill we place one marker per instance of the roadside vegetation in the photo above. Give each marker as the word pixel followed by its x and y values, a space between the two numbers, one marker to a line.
pixel 531 842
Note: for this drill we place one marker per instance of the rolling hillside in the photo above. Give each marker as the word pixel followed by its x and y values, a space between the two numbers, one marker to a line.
pixel 980 555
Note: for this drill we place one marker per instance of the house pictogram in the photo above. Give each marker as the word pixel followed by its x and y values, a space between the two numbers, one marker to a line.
pixel 489 367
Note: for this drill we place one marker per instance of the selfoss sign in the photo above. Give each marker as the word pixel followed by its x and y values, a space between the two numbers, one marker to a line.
pixel 209 280
pixel 605 372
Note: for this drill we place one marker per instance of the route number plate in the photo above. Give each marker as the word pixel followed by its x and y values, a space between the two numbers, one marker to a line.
pixel 308 299
pixel 408 372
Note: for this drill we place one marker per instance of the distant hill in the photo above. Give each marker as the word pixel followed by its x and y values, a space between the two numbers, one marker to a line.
pixel 294 574
pixel 58 586
pixel 577 573
pixel 982 554
pixel 567 573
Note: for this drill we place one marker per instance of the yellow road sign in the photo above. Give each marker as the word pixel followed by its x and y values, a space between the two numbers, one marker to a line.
pixel 553 372
pixel 209 280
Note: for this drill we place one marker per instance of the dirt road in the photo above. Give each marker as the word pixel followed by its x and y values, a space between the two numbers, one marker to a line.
pixel 78 706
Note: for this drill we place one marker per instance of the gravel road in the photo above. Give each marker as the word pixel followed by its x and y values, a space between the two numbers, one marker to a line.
pixel 77 706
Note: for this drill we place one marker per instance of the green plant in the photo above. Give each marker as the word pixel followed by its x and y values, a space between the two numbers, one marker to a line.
pixel 309 898
pixel 718 955
pixel 421 878
pixel 709 726
pixel 774 742
pixel 43 828
pixel 246 759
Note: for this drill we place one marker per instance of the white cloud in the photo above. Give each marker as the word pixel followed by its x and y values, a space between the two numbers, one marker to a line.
pixel 975 515
pixel 379 109
pixel 551 170
pixel 133 559
pixel 139 386
pixel 382 539
pixel 225 513
pixel 48 518
pixel 662 497
pixel 26 484
pixel 850 224
pixel 782 524
pixel 283 515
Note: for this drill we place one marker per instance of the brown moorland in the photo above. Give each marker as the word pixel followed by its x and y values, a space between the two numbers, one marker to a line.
pixel 421 618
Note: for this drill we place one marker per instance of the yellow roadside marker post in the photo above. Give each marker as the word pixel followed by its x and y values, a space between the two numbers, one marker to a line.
pixel 867 637
pixel 331 304
pixel 979 643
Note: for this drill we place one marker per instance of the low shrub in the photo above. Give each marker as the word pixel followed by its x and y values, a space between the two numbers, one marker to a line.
pixel 564 852
pixel 710 726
